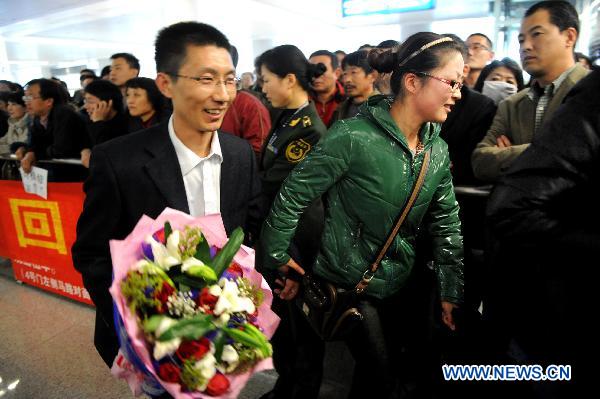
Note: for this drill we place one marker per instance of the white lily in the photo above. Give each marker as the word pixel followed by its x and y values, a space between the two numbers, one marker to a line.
pixel 163 257
pixel 189 262
pixel 230 356
pixel 207 368
pixel 230 300
pixel 141 264
pixel 215 290
pixel 162 349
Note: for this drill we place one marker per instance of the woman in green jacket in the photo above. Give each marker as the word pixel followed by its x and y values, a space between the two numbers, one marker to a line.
pixel 365 168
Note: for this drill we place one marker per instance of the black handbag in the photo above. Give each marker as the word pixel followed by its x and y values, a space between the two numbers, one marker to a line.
pixel 333 311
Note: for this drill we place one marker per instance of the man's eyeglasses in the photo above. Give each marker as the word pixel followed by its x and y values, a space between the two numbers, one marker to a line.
pixel 210 82
pixel 478 47
pixel 29 98
pixel 454 84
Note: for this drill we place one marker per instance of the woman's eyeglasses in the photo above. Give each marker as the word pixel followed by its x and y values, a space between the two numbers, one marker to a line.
pixel 454 84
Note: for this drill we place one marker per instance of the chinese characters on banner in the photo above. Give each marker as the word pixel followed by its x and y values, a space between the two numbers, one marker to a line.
pixel 37 235
pixel 36 181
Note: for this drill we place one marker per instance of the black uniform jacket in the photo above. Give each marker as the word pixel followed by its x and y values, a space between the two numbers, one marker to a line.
pixel 292 137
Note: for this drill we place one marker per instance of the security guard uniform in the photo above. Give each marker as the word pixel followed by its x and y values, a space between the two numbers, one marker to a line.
pixel 297 350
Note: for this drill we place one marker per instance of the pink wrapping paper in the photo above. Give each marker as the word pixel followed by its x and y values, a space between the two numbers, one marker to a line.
pixel 127 252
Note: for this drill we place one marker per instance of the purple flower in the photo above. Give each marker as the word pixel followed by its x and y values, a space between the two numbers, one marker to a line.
pixel 149 292
pixel 213 252
pixel 147 251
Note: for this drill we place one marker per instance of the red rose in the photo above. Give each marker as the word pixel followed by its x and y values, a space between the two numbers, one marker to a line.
pixel 207 301
pixel 160 236
pixel 195 349
pixel 163 295
pixel 169 372
pixel 235 268
pixel 218 385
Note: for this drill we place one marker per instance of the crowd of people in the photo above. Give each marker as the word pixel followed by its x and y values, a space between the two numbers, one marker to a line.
pixel 315 157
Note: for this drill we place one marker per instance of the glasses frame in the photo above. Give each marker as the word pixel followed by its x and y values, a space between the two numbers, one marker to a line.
pixel 455 85
pixel 199 79
pixel 30 98
pixel 477 47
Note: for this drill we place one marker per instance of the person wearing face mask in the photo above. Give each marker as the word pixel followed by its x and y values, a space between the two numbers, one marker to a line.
pixel 500 79
pixel 297 351
pixel 365 167
pixel 547 38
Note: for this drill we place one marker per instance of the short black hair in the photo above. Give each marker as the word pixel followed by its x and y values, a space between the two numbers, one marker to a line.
pixel 358 59
pixel 490 44
pixel 366 46
pixel 87 71
pixel 149 85
pixel 106 90
pixel 131 59
pixel 562 13
pixel 12 86
pixel 389 44
pixel 172 42
pixel 334 61
pixel 50 89
pixel 234 55
pixel 506 62
pixel 15 97
pixel 339 52
pixel 105 71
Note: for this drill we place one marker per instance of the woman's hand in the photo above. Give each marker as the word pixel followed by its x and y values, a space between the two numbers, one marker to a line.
pixel 447 308
pixel 290 287
pixel 102 111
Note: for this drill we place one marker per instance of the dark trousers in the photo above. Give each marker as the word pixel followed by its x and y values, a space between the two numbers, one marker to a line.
pixel 383 348
pixel 298 354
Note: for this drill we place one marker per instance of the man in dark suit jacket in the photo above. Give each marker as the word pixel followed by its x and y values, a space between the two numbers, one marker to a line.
pixel 142 173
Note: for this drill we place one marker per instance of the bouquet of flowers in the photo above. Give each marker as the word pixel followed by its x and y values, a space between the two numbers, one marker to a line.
pixel 192 315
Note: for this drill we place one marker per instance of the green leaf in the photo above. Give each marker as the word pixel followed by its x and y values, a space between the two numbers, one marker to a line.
pixel 219 342
pixel 152 323
pixel 202 271
pixel 168 231
pixel 243 337
pixel 203 251
pixel 226 254
pixel 183 280
pixel 190 329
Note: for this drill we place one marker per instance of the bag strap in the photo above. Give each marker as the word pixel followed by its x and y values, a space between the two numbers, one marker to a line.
pixel 370 272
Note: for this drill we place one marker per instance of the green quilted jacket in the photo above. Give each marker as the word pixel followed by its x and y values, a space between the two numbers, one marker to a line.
pixel 365 171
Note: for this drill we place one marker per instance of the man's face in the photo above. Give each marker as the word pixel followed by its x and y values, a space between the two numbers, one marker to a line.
pixel 326 82
pixel 542 45
pixel 36 105
pixel 357 82
pixel 480 52
pixel 247 80
pixel 121 72
pixel 201 106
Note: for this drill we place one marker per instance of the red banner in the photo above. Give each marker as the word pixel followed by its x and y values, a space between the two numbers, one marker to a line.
pixel 37 236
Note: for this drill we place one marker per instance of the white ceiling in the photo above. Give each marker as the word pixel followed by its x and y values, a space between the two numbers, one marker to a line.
pixel 59 33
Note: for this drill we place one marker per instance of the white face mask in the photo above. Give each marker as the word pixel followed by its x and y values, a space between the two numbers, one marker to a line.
pixel 498 90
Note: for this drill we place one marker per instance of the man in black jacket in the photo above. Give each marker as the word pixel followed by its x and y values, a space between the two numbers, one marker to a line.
pixel 57 130
pixel 183 164
pixel 544 215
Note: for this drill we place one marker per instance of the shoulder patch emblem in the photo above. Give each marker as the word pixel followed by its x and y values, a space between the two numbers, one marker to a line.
pixel 297 150
pixel 306 121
